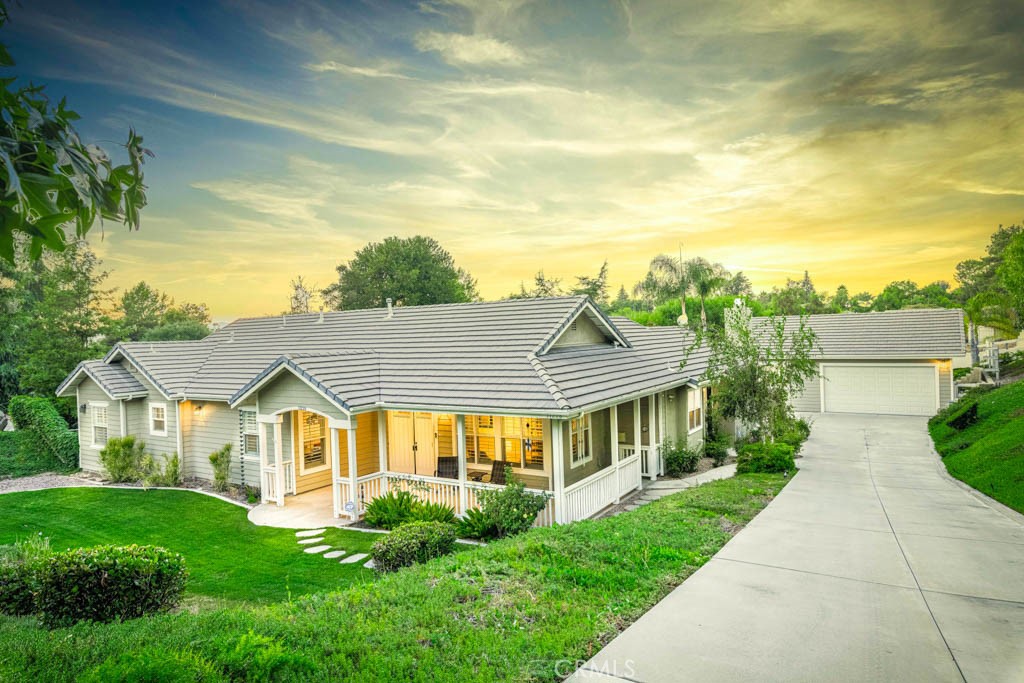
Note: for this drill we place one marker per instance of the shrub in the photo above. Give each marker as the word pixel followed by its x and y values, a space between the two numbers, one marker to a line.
pixel 433 512
pixel 679 459
pixel 794 434
pixel 717 449
pixel 169 474
pixel 964 417
pixel 154 664
pixel 108 583
pixel 765 457
pixel 477 524
pixel 20 566
pixel 390 510
pixel 512 508
pixel 49 430
pixel 124 459
pixel 221 461
pixel 412 543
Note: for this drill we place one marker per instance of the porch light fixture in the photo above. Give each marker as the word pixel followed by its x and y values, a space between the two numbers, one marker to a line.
pixel 83 407
pixel 198 408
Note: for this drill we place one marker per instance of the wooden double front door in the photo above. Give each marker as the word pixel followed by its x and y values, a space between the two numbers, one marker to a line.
pixel 412 442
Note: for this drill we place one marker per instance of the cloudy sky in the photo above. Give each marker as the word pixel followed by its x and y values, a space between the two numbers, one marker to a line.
pixel 866 142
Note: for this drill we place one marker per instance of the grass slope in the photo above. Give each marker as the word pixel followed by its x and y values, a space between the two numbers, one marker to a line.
pixel 988 455
pixel 525 608
pixel 228 558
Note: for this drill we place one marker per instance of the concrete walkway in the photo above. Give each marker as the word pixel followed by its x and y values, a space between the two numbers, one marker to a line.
pixel 871 565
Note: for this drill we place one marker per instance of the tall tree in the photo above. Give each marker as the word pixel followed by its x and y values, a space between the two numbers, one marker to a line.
pixel 705 281
pixel 1011 275
pixel 144 313
pixel 302 298
pixel 50 181
pixel 62 327
pixel 596 286
pixel 980 275
pixel 542 286
pixel 738 285
pixel 411 271
pixel 755 368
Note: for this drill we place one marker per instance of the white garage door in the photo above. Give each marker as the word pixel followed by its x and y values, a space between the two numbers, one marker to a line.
pixel 888 389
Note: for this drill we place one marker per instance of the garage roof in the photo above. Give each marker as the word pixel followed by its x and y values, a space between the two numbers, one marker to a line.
pixel 933 333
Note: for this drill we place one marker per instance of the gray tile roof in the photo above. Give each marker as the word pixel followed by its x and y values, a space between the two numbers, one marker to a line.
pixel 933 333
pixel 488 355
pixel 115 379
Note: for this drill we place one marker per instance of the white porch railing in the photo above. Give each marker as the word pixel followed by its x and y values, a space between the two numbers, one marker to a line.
pixel 368 487
pixel 289 477
pixel 268 483
pixel 629 474
pixel 427 489
pixel 591 495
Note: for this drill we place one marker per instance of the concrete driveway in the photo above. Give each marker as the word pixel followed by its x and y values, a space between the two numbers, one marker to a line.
pixel 872 565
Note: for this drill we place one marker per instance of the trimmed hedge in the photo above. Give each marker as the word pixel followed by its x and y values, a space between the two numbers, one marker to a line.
pixel 765 457
pixel 40 418
pixel 109 583
pixel 412 543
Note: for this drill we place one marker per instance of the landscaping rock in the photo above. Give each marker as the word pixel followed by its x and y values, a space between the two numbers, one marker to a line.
pixel 333 554
pixel 307 541
pixel 369 564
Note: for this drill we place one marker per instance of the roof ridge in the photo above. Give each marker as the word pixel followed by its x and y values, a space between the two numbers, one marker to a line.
pixel 549 382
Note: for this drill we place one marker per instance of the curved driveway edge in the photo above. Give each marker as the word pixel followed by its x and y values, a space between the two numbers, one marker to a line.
pixel 872 564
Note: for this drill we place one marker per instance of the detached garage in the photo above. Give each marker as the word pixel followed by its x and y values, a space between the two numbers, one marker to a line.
pixel 894 363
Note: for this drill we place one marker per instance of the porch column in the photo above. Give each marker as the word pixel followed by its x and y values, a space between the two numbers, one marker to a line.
pixel 460 452
pixel 638 437
pixel 278 462
pixel 614 421
pixel 353 471
pixel 655 428
pixel 261 432
pixel 382 447
pixel 335 470
pixel 558 467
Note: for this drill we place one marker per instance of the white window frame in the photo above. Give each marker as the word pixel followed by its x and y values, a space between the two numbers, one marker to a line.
pixel 153 431
pixel 93 405
pixel 299 438
pixel 583 423
pixel 694 401
pixel 242 412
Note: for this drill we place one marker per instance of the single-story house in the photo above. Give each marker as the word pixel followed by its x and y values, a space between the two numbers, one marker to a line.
pixel 891 362
pixel 425 398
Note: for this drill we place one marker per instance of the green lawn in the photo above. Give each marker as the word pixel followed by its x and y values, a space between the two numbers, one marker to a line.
pixel 228 558
pixel 524 608
pixel 988 455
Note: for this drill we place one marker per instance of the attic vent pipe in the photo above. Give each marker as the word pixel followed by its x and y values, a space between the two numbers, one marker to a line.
pixel 284 320
pixel 321 316
pixel 231 337
pixel 391 311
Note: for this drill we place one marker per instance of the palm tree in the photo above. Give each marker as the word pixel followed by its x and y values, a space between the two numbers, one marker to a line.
pixel 671 274
pixel 705 280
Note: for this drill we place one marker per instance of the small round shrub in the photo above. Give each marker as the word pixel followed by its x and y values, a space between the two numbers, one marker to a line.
pixel 765 457
pixel 413 543
pixel 511 508
pixel 679 459
pixel 123 459
pixel 156 665
pixel 717 450
pixel 390 510
pixel 795 433
pixel 109 583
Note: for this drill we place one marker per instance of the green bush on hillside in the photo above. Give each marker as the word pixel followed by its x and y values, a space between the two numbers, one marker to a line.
pixel 154 664
pixel 109 583
pixel 411 544
pixel 765 457
pixel 48 430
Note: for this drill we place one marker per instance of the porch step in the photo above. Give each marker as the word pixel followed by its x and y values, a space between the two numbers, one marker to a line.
pixel 317 549
pixel 353 558
pixel 333 554
pixel 310 532
pixel 307 541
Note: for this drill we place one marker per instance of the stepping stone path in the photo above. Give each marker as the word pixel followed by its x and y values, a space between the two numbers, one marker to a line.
pixel 317 549
pixel 313 536
pixel 311 532
pixel 351 559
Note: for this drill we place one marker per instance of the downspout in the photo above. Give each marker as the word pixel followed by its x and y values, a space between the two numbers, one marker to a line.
pixel 181 453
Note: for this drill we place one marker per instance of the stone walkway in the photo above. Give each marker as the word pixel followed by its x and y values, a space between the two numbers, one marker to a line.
pixel 309 537
pixel 657 490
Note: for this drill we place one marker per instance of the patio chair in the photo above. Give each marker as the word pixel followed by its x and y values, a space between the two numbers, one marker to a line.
pixel 497 475
pixel 447 467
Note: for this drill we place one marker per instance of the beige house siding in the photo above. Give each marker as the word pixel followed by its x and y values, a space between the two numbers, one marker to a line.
pixel 809 400
pixel 287 391
pixel 580 332
pixel 138 418
pixel 88 455
pixel 207 430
